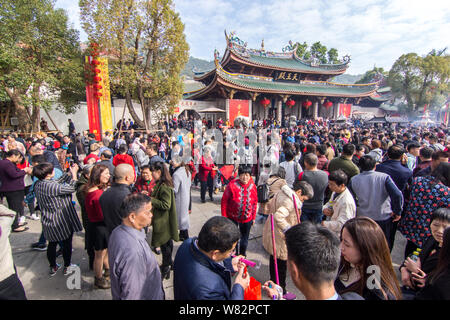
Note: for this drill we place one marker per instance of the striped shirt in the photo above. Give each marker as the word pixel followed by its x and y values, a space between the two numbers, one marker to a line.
pixel 59 217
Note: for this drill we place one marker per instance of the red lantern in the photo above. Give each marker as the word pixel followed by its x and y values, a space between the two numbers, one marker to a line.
pixel 265 102
pixel 290 103
pixel 307 104
pixel 328 104
pixel 97 79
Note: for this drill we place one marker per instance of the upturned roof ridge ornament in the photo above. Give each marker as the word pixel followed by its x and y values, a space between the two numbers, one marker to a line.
pixel 346 58
pixel 289 48
pixel 216 54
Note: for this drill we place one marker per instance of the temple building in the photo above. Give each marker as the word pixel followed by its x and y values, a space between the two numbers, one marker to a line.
pixel 261 84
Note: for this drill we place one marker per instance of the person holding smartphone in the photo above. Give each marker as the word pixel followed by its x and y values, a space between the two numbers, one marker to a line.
pixel 414 273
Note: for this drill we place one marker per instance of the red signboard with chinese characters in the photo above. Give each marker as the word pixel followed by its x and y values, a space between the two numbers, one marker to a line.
pixel 345 110
pixel 238 108
pixel 93 110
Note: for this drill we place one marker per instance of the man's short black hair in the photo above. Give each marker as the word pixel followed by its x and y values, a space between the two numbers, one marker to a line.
pixel 426 152
pixel 243 168
pixel 153 146
pixel 289 154
pixel 395 152
pixel 412 145
pixel 38 159
pixel 367 163
pixel 321 149
pixel 133 203
pixel 315 251
pixel 439 154
pixel 42 170
pixel 107 154
pixel 218 233
pixel 339 177
pixel 348 149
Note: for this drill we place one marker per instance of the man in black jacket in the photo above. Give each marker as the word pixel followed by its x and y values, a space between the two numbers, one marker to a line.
pixel 112 199
pixel 71 149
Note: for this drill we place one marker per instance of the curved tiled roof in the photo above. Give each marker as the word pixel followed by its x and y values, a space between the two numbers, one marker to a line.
pixel 267 85
pixel 285 62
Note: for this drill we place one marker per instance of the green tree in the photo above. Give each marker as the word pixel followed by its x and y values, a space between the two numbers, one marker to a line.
pixel 319 51
pixel 372 75
pixel 147 48
pixel 40 60
pixel 333 55
pixel 418 80
pixel 302 48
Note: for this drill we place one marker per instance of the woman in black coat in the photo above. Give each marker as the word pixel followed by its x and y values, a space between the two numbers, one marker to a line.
pixel 437 285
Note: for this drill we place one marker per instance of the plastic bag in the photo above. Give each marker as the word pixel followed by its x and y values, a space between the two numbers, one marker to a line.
pixel 253 292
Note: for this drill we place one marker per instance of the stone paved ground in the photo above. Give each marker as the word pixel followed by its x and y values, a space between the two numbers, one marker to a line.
pixel 32 266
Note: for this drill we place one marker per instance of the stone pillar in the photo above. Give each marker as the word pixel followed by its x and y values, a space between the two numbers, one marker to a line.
pixel 315 110
pixel 299 111
pixel 279 106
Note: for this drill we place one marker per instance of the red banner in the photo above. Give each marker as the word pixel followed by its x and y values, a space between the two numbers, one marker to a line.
pixel 93 110
pixel 345 110
pixel 238 108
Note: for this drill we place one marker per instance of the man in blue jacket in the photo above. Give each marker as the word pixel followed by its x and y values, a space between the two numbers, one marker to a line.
pixel 399 173
pixel 203 266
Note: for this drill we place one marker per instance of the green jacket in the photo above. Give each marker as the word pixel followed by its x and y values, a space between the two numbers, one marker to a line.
pixel 82 181
pixel 164 221
pixel 345 165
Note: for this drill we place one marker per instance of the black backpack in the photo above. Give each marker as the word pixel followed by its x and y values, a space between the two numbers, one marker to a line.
pixel 263 193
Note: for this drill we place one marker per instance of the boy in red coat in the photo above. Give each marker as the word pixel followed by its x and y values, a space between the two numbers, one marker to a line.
pixel 239 203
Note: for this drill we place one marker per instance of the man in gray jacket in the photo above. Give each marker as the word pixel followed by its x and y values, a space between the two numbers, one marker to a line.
pixel 376 196
pixel 135 273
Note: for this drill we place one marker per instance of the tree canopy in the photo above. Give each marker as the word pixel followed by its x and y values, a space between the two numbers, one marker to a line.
pixel 40 60
pixel 147 48
pixel 319 51
pixel 420 80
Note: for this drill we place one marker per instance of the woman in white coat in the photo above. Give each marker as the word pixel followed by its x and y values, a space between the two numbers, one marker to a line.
pixel 341 207
pixel 182 188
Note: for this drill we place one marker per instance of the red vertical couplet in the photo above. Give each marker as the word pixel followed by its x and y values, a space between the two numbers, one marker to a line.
pixel 238 108
pixel 93 108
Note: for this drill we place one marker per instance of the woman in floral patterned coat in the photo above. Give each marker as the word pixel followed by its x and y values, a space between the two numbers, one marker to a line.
pixel 428 193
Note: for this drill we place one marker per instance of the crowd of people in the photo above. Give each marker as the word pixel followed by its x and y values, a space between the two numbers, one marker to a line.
pixel 331 198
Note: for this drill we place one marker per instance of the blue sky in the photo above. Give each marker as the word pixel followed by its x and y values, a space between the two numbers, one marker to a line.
pixel 372 32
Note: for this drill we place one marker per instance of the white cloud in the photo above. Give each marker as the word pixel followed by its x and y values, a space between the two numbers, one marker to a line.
pixel 371 31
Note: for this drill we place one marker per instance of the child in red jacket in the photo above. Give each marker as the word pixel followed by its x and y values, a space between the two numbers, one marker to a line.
pixel 239 203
